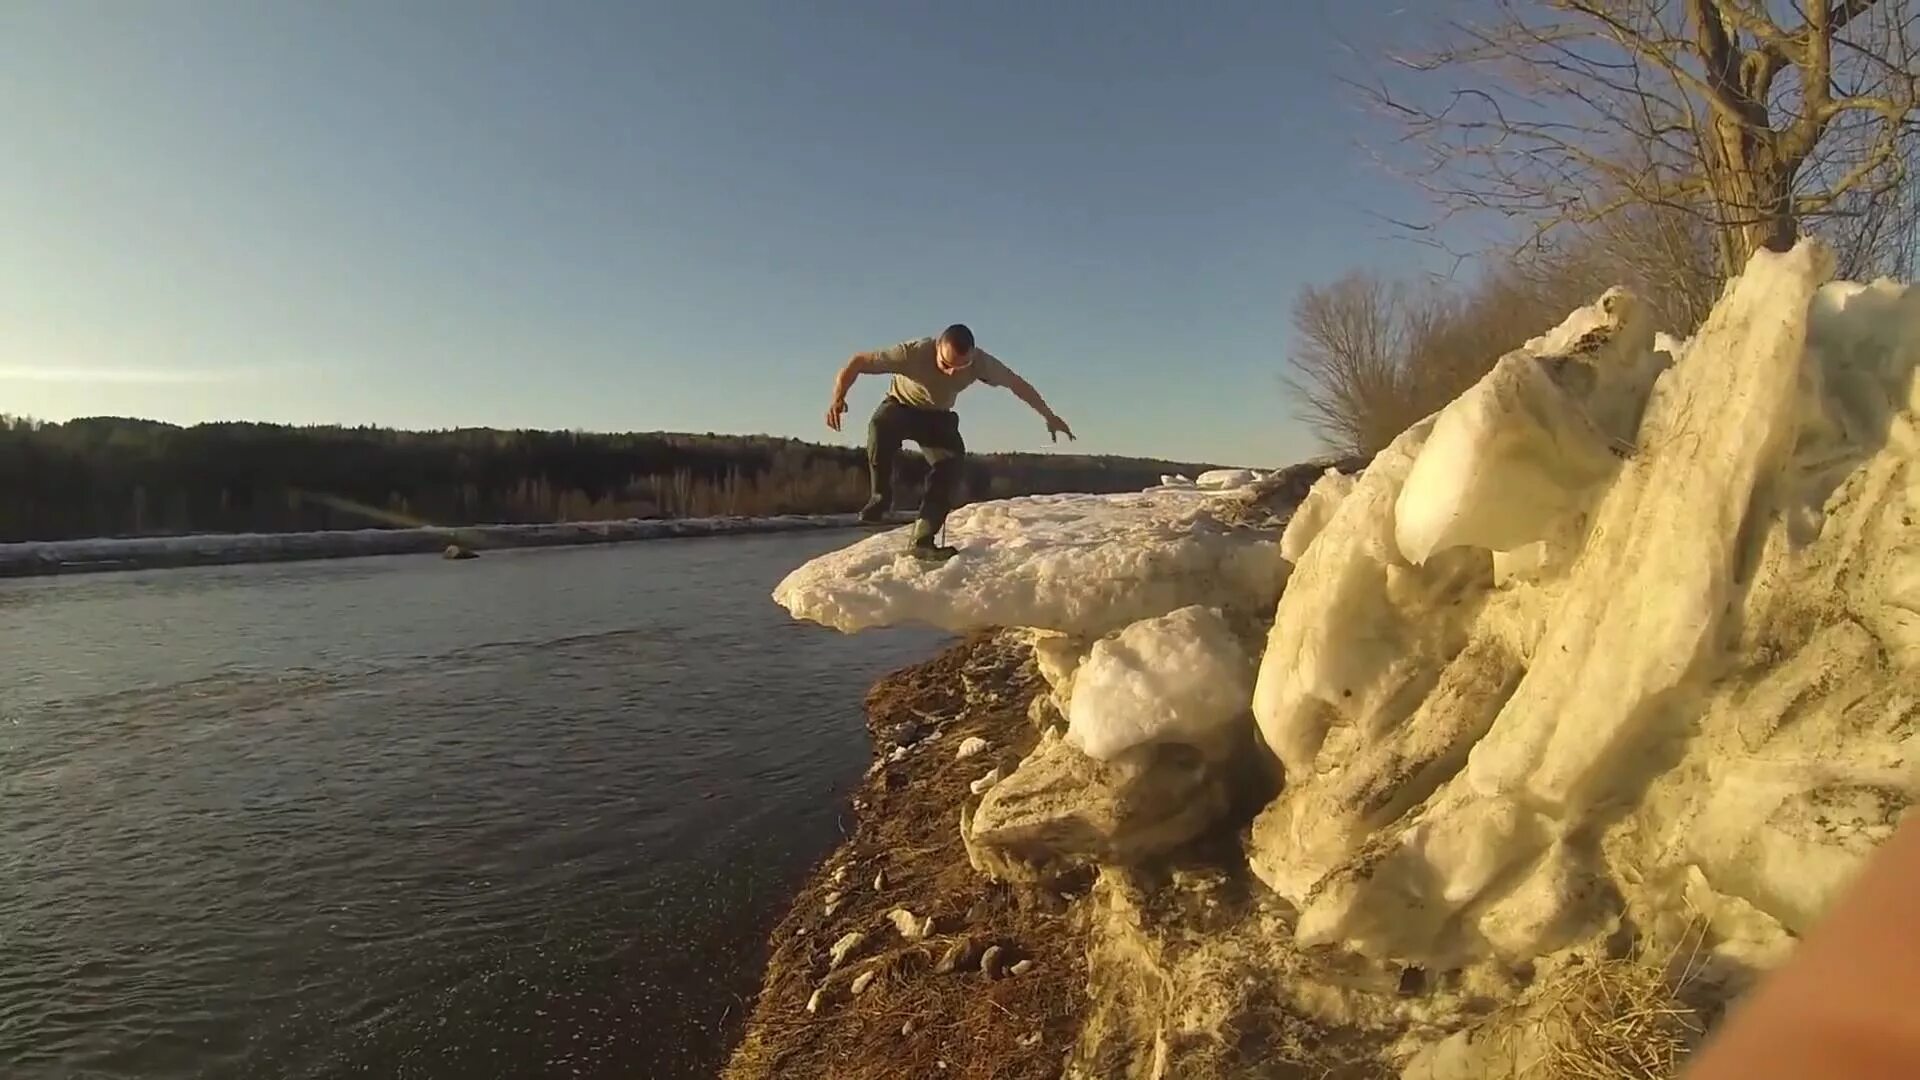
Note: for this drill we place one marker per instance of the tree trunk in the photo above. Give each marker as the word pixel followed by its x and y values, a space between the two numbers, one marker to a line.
pixel 1754 190
pixel 1774 227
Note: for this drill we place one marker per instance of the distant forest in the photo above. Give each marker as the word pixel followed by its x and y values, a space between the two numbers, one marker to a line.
pixel 109 476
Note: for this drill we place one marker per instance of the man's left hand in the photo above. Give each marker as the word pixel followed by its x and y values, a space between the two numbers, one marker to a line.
pixel 1057 427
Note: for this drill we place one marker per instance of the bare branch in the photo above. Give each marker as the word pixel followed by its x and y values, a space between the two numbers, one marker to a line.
pixel 1566 114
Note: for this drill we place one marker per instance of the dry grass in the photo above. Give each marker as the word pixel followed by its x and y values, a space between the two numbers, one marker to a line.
pixel 909 814
pixel 1615 1019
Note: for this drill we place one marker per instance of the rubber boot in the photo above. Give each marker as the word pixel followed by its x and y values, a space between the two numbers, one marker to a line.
pixel 924 548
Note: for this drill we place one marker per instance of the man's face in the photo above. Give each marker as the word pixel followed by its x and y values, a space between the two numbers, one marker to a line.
pixel 951 359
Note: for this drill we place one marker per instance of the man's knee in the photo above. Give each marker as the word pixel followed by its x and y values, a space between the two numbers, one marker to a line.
pixel 943 460
pixel 883 433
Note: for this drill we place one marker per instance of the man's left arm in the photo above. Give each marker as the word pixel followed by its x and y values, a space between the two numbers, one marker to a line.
pixel 1005 377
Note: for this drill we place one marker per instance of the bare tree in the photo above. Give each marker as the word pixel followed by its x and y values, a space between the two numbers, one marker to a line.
pixel 1750 116
pixel 1345 372
pixel 1373 357
pixel 1668 258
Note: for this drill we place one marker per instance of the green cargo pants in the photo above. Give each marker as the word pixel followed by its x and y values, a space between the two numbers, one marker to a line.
pixel 937 432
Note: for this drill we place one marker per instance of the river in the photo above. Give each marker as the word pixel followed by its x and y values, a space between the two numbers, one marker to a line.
pixel 526 816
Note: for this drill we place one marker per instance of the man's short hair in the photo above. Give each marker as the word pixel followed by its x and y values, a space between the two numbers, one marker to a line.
pixel 959 337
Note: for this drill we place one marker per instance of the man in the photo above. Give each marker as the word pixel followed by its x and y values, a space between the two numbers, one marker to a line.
pixel 928 374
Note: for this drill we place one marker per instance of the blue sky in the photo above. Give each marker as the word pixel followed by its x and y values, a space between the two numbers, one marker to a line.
pixel 638 216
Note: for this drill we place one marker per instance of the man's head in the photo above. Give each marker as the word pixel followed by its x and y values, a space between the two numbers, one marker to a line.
pixel 953 351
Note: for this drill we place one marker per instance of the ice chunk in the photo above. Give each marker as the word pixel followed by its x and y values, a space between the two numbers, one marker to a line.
pixel 1313 513
pixel 1324 816
pixel 1081 564
pixel 1546 910
pixel 1505 460
pixel 1400 893
pixel 1647 598
pixel 1058 656
pixel 1183 677
pixel 1532 441
pixel 1061 809
pixel 1225 479
pixel 1360 634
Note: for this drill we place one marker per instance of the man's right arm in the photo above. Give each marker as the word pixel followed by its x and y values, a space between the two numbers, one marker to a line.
pixel 857 365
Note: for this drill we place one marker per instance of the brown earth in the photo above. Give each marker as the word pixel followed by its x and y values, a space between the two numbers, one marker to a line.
pixel 911 1020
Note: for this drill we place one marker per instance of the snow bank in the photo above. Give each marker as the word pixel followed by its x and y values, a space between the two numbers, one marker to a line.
pixel 1181 678
pixel 71 556
pixel 1080 564
pixel 1696 675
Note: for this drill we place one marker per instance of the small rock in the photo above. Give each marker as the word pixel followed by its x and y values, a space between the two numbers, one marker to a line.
pixel 906 1028
pixel 1045 901
pixel 911 926
pixel 980 786
pixel 841 948
pixel 1021 968
pixel 839 876
pixel 990 961
pixel 880 881
pixel 1028 1042
pixel 899 755
pixel 832 904
pixel 971 745
pixel 813 1003
pixel 861 983
pixel 958 955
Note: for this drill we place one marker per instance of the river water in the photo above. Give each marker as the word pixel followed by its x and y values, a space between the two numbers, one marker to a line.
pixel 527 816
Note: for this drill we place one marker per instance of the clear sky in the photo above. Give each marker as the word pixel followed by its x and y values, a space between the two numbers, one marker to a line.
pixel 645 216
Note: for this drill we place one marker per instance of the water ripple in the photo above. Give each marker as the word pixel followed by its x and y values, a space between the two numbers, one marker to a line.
pixel 525 816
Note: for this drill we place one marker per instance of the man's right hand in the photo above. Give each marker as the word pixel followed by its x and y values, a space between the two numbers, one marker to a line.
pixel 835 411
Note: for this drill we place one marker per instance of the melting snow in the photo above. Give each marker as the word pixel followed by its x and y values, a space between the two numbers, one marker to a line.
pixel 1081 564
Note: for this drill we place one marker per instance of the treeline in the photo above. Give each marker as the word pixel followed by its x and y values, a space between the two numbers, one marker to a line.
pixel 110 476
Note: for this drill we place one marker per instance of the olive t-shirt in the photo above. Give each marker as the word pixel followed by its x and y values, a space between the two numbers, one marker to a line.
pixel 918 380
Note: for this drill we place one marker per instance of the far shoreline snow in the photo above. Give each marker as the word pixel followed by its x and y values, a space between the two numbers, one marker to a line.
pixel 36 558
